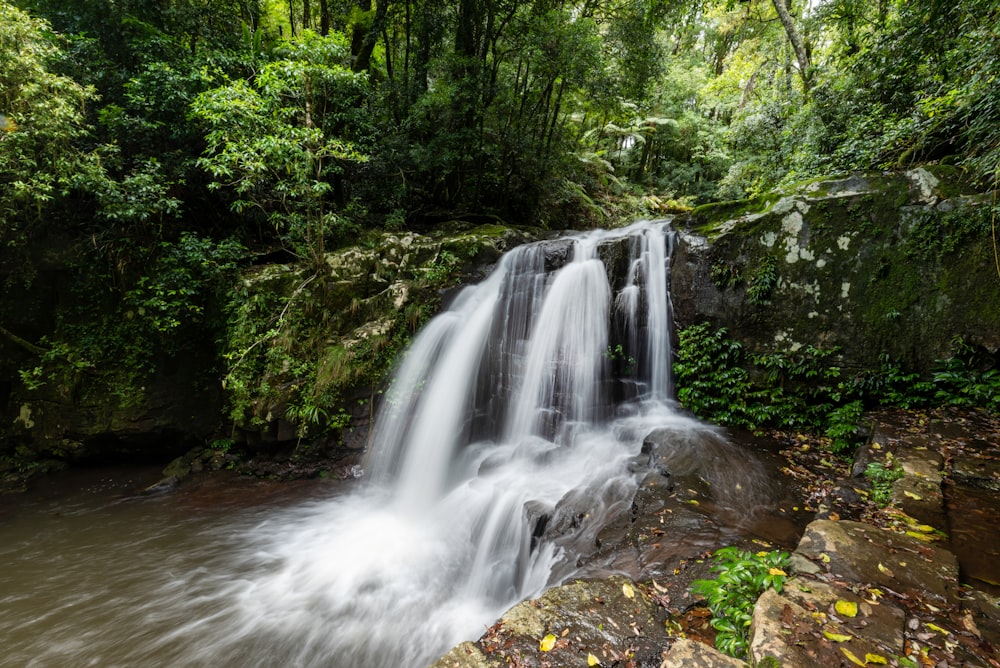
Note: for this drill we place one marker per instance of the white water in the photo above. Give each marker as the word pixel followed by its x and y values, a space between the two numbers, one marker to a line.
pixel 503 412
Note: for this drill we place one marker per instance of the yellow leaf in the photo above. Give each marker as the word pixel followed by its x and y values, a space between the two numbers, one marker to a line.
pixel 916 497
pixel 548 642
pixel 935 627
pixel 694 502
pixel 875 658
pixel 824 557
pixel 885 570
pixel 850 655
pixel 628 591
pixel 926 528
pixel 837 637
pixel 846 608
pixel 922 536
pixel 593 660
pixel 776 571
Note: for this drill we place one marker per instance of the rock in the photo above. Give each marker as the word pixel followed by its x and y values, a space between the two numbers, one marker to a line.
pixel 794 635
pixel 849 263
pixel 921 499
pixel 976 472
pixel 610 619
pixel 690 654
pixel 896 562
pixel 466 655
pixel 879 621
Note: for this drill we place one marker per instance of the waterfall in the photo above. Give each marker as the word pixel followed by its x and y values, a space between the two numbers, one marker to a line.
pixel 500 448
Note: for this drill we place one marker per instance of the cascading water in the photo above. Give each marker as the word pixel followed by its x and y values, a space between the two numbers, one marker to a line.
pixel 514 414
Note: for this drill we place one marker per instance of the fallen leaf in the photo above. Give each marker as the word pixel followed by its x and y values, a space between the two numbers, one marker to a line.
pixel 935 627
pixel 564 633
pixel 885 570
pixel 628 591
pixel 593 660
pixel 915 497
pixel 927 538
pixel 850 655
pixel 875 658
pixel 836 637
pixel 548 642
pixel 824 557
pixel 846 608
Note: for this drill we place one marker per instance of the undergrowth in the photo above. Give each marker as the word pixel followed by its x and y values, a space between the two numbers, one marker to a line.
pixel 808 390
pixel 742 577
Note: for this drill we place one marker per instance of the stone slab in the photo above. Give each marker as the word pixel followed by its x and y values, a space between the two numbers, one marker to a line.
pixel 870 555
pixel 690 654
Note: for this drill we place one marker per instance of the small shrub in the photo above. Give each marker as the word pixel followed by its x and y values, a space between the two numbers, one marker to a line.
pixel 881 478
pixel 742 577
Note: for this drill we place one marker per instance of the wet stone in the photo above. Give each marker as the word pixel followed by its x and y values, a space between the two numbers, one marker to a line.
pixel 976 472
pixel 611 619
pixel 690 654
pixel 889 560
pixel 796 635
pixel 921 499
pixel 879 621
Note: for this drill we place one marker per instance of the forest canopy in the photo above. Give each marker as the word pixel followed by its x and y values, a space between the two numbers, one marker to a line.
pixel 302 122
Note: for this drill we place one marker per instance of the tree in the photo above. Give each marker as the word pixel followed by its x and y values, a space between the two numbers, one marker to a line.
pixel 798 45
pixel 44 162
pixel 274 143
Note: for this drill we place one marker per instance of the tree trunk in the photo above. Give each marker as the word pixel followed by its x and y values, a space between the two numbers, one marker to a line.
pixel 795 39
pixel 324 18
pixel 364 40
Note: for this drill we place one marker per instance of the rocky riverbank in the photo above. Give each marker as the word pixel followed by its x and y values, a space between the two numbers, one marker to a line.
pixel 900 585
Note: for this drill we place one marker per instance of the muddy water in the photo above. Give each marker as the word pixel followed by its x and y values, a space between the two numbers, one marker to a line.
pixel 225 572
pixel 88 578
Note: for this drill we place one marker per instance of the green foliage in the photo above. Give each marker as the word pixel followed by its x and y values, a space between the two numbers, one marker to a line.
pixel 43 158
pixel 842 426
pixel 763 281
pixel 742 577
pixel 881 477
pixel 119 339
pixel 958 381
pixel 275 141
pixel 720 382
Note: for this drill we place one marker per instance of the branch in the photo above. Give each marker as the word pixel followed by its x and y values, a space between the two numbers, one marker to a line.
pixel 27 345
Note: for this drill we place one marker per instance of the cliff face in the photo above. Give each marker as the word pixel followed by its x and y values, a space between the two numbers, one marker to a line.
pixel 875 265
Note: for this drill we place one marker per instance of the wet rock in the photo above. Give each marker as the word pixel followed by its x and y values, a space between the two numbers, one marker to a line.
pixel 889 560
pixel 797 635
pixel 466 655
pixel 921 499
pixel 690 654
pixel 879 621
pixel 612 620
pixel 557 253
pixel 976 472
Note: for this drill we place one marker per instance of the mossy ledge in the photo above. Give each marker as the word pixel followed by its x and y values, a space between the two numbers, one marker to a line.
pixel 874 265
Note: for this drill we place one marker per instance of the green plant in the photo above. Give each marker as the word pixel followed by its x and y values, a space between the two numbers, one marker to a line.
pixel 957 383
pixel 742 577
pixel 881 477
pixel 842 426
pixel 620 359
pixel 763 281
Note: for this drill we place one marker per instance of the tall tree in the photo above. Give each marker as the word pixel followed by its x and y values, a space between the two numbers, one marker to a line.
pixel 798 44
